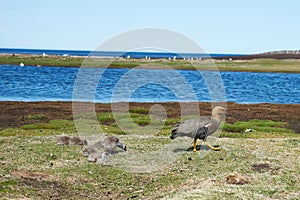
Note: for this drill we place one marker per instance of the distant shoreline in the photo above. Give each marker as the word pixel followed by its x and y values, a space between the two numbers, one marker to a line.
pixel 113 54
pixel 266 62
pixel 269 55
pixel 284 54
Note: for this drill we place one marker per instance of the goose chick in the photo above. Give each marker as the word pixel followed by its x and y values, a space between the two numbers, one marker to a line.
pixel 66 140
pixel 109 143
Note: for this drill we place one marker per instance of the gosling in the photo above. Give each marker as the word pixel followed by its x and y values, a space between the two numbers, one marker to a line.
pixel 66 140
pixel 109 143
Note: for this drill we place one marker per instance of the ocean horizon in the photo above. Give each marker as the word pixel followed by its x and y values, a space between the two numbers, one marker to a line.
pixel 133 54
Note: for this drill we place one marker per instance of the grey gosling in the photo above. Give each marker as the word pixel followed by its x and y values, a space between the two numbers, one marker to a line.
pixel 96 153
pixel 66 140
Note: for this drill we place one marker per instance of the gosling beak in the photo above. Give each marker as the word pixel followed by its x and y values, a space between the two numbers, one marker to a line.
pixel 173 136
pixel 122 146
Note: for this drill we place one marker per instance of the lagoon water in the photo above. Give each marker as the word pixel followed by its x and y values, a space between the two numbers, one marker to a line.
pixel 145 85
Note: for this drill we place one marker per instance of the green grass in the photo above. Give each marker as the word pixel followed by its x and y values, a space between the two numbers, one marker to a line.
pixel 258 125
pixel 139 110
pixel 35 117
pixel 261 129
pixel 43 61
pixel 33 166
pixel 53 124
pixel 54 127
pixel 105 117
pixel 255 65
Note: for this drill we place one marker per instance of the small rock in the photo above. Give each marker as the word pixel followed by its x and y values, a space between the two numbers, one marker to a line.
pixel 7 176
pixel 248 130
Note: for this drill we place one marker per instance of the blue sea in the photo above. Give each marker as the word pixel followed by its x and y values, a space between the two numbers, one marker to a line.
pixel 47 83
pixel 111 53
pixel 30 83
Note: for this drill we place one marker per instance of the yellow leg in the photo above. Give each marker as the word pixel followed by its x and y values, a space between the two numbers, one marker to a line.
pixel 195 145
pixel 211 147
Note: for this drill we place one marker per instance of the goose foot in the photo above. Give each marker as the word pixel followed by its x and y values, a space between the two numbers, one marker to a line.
pixel 212 147
pixel 195 145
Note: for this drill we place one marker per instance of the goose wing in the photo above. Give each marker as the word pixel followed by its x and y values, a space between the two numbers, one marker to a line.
pixel 191 127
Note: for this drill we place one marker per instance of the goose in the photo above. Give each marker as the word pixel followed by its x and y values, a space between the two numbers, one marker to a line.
pixel 200 128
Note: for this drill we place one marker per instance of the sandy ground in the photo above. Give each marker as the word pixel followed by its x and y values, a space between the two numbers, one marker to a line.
pixel 13 114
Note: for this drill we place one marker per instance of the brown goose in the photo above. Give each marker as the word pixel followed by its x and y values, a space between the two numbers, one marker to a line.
pixel 200 128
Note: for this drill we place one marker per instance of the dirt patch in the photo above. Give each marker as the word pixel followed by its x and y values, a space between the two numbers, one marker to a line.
pixel 33 175
pixel 45 184
pixel 50 189
pixel 15 114
pixel 261 167
pixel 236 179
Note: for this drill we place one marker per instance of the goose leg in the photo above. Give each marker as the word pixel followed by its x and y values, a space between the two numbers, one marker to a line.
pixel 195 144
pixel 212 147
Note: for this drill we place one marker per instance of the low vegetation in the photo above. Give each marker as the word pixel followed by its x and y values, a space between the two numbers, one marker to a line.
pixel 256 129
pixel 260 164
pixel 41 61
pixel 35 117
pixel 254 65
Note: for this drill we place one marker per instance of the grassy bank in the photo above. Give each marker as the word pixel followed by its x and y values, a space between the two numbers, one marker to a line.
pixel 255 65
pixel 260 164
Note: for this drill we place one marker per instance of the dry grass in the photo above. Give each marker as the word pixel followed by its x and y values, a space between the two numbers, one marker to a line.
pixel 279 181
pixel 256 165
pixel 153 168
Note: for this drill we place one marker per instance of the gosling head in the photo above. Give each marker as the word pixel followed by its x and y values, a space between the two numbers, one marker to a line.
pixel 114 141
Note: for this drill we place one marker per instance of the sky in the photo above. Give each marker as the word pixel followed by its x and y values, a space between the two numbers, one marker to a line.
pixel 232 26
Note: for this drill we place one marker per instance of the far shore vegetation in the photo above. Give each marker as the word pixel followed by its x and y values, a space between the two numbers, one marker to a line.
pixel 231 64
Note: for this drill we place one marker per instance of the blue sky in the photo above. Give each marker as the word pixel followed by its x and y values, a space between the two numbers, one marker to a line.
pixel 231 26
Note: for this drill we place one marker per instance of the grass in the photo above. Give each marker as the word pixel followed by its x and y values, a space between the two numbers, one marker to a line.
pixel 154 167
pixel 255 65
pixel 261 65
pixel 40 60
pixel 139 110
pixel 35 117
pixel 53 124
pixel 259 129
